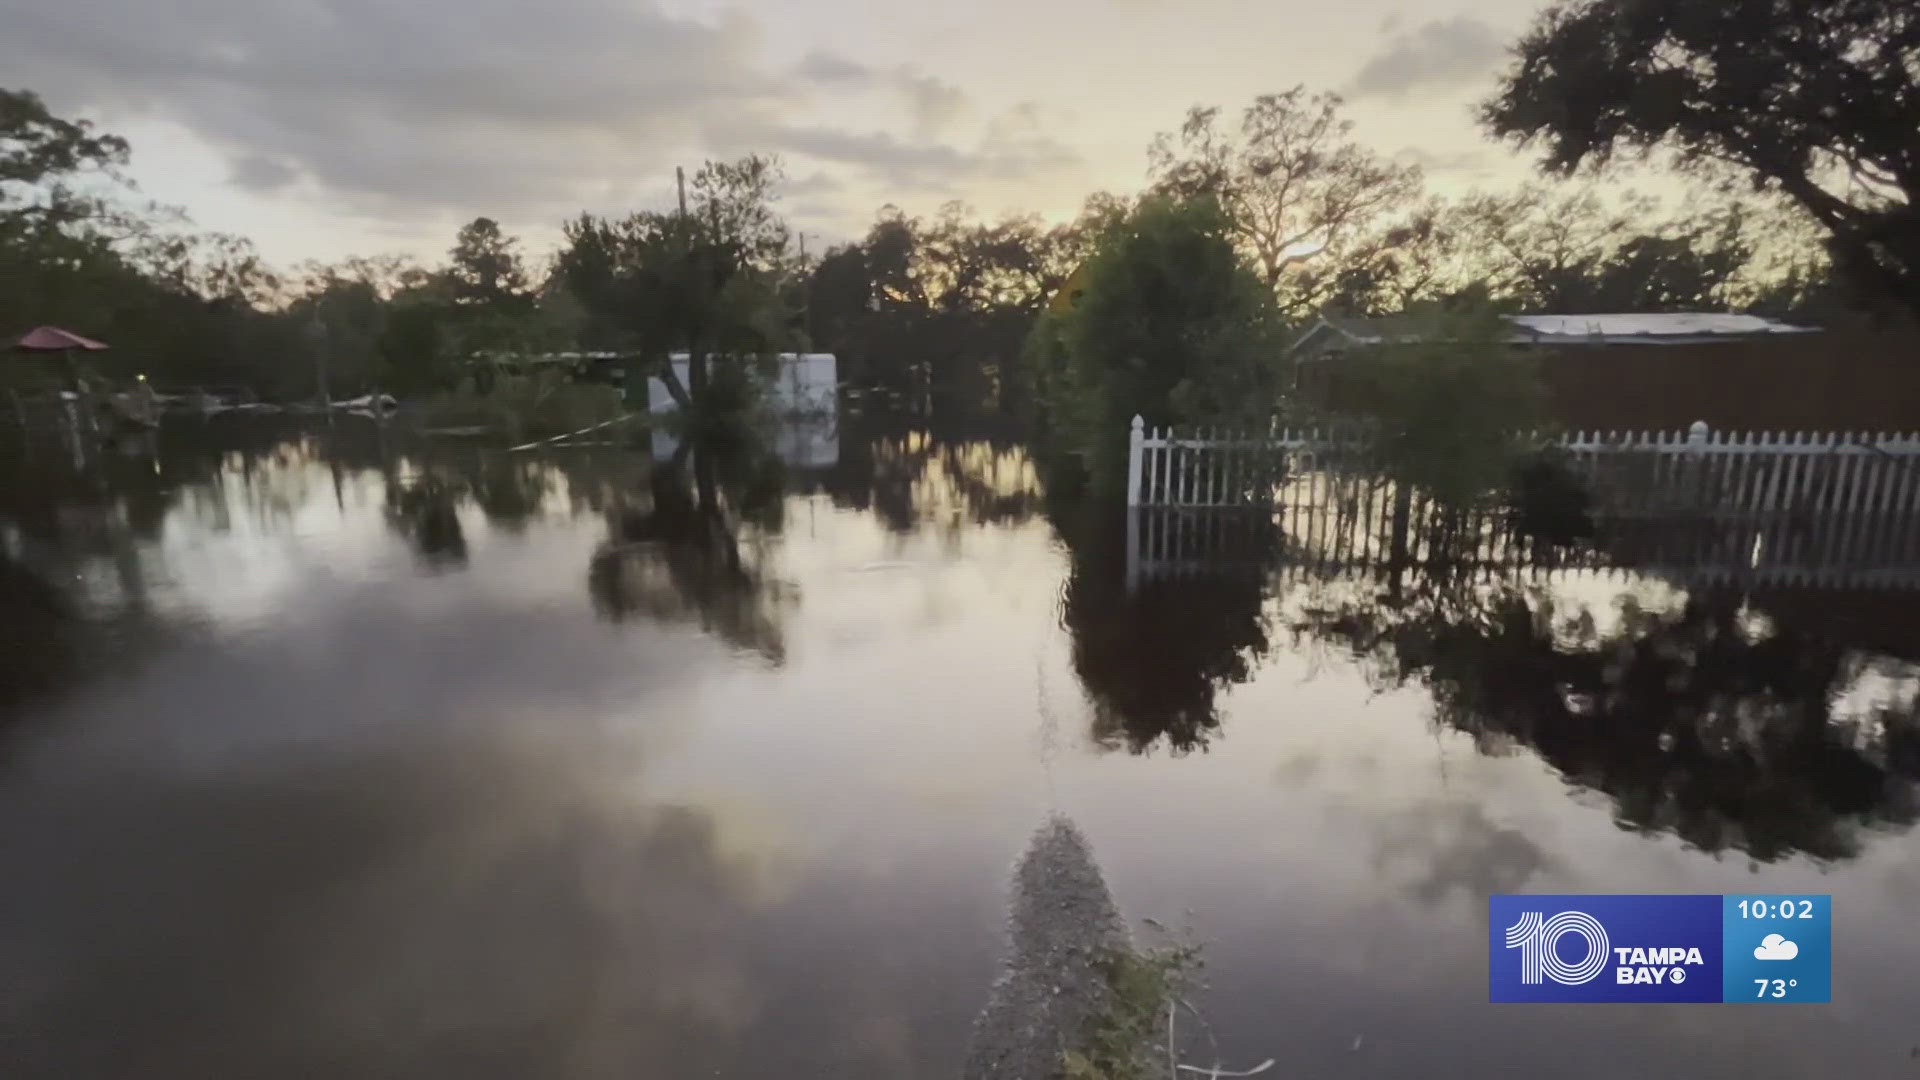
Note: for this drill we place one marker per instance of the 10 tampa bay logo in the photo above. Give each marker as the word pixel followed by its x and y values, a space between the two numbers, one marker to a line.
pixel 1605 948
pixel 1656 948
pixel 1538 938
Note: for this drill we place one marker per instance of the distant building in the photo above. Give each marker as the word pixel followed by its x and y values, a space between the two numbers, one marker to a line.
pixel 1668 370
pixel 797 383
pixel 802 391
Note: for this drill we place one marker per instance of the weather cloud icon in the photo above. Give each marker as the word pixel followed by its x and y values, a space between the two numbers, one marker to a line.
pixel 1775 947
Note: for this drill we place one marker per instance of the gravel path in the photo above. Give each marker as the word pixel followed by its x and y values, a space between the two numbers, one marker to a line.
pixel 1062 921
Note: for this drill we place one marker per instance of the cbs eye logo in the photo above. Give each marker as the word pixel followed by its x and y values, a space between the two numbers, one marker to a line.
pixel 1538 939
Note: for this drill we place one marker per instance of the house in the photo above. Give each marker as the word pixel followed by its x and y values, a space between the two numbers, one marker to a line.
pixel 1665 371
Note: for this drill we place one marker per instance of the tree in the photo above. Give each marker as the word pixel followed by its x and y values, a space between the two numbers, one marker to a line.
pixel 1295 185
pixel 486 269
pixel 1573 251
pixel 712 281
pixel 732 207
pixel 592 264
pixel 1427 255
pixel 1568 251
pixel 57 264
pixel 40 155
pixel 839 293
pixel 1170 325
pixel 1815 99
pixel 342 319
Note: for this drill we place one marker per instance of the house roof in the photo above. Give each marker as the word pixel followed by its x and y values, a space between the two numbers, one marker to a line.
pixel 54 339
pixel 1634 328
pixel 1335 333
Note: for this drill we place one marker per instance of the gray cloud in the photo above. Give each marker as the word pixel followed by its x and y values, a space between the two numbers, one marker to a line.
pixel 1443 52
pixel 818 183
pixel 499 107
pixel 925 165
pixel 827 68
pixel 934 103
pixel 401 104
pixel 259 172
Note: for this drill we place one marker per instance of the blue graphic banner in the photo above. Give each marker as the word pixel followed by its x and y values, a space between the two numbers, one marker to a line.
pixel 1610 947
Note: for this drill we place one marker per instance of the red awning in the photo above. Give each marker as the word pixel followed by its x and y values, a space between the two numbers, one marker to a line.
pixel 54 339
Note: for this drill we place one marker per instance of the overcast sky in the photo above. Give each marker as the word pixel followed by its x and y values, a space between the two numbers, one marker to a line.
pixel 322 128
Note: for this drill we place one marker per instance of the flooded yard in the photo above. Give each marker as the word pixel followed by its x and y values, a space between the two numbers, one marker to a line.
pixel 331 752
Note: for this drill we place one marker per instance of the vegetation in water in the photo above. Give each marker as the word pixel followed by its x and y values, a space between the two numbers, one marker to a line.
pixel 1127 1034
pixel 1450 407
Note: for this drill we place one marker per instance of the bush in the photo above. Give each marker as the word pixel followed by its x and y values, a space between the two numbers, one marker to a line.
pixel 1452 405
pixel 1170 325
pixel 1549 501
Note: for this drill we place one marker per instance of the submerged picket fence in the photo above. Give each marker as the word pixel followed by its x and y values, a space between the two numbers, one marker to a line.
pixel 1627 472
pixel 1796 507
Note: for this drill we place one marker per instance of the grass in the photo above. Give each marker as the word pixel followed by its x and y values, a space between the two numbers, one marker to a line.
pixel 1127 1035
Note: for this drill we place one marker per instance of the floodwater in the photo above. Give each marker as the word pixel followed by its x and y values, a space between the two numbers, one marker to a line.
pixel 339 753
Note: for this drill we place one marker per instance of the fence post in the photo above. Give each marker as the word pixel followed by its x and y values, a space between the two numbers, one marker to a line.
pixel 1694 488
pixel 1135 437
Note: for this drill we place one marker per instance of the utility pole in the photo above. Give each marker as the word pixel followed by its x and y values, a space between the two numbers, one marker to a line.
pixel 696 362
pixel 806 303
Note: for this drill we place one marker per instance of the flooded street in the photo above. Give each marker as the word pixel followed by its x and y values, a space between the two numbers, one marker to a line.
pixel 332 752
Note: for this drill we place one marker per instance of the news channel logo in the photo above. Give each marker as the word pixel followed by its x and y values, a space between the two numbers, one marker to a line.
pixel 1659 948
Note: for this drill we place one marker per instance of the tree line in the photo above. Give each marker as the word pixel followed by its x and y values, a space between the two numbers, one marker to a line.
pixel 1803 210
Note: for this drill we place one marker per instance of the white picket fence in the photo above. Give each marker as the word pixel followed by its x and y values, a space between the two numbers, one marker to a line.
pixel 1631 473
pixel 1638 474
pixel 1786 508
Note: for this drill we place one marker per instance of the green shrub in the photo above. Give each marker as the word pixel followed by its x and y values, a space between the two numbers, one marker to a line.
pixel 1452 405
pixel 1170 325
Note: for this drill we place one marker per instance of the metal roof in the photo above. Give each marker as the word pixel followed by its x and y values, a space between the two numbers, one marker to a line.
pixel 1676 328
pixel 1630 328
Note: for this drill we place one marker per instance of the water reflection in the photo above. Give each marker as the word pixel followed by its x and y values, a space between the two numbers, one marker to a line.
pixel 425 512
pixel 451 910
pixel 1695 712
pixel 342 752
pixel 700 547
pixel 1153 656
pixel 953 476
pixel 1695 717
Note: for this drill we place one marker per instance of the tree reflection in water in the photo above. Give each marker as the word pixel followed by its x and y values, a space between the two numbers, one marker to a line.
pixel 426 512
pixel 1153 658
pixel 700 548
pixel 1762 729
pixel 77 527
pixel 1737 724
pixel 911 473
pixel 1700 719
